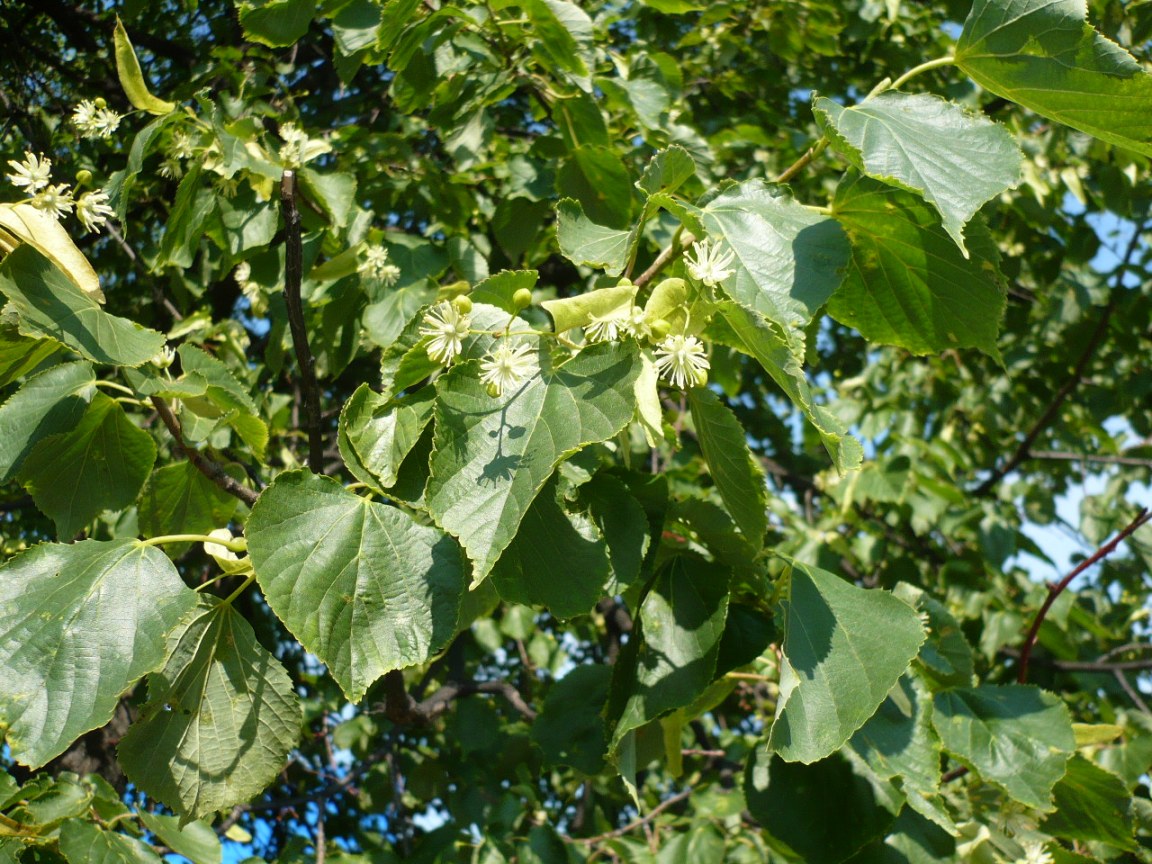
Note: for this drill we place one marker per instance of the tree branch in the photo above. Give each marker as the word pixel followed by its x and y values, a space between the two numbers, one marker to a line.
pixel 1056 590
pixel 636 823
pixel 402 709
pixel 1024 449
pixel 293 275
pixel 206 466
pixel 1089 457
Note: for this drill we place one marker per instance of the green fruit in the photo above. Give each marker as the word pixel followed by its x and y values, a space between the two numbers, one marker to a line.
pixel 522 299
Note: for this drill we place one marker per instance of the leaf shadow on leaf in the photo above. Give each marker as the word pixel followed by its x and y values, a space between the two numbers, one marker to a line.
pixel 815 628
pixel 818 248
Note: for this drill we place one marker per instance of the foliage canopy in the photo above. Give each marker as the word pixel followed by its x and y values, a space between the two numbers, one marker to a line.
pixel 539 431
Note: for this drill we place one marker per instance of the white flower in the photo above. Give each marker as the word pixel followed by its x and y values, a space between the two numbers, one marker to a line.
pixel 34 173
pixel 506 366
pixel 710 265
pixel 92 209
pixel 105 123
pixel 389 274
pixel 84 117
pixel 681 360
pixel 56 200
pixel 1034 853
pixel 298 148
pixel 637 324
pixel 447 327
pixel 181 145
pixel 221 553
pixel 164 358
pixel 607 328
pixel 375 260
pixel 170 169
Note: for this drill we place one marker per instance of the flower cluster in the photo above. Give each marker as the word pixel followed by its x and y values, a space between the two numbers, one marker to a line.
pixel 298 148
pixel 376 265
pixel 34 176
pixel 94 119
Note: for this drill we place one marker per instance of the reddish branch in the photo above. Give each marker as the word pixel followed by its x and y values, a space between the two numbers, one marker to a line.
pixel 293 275
pixel 1056 590
pixel 206 466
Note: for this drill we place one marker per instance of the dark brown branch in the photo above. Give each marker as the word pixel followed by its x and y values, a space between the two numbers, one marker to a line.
pixel 293 275
pixel 1102 665
pixel 206 466
pixel 1056 590
pixel 1024 449
pixel 402 709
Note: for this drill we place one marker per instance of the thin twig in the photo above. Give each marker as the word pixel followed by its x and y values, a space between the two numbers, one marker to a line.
pixel 636 823
pixel 1091 457
pixel 666 255
pixel 293 275
pixel 1122 680
pixel 1024 449
pixel 800 164
pixel 321 840
pixel 206 466
pixel 1056 590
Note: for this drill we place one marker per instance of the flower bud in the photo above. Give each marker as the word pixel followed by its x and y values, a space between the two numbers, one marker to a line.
pixel 83 177
pixel 463 304
pixel 99 102
pixel 701 377
pixel 522 299
pixel 660 329
pixel 493 389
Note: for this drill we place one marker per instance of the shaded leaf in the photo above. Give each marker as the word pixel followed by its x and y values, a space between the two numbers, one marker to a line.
pixel 79 624
pixel 359 584
pixel 570 729
pixel 51 305
pixel 179 499
pixel 844 649
pixel 492 455
pixel 47 403
pixel 1092 805
pixel 100 464
pixel 907 283
pixel 381 432
pixel 919 142
pixel 584 242
pixel 220 719
pixel 1015 736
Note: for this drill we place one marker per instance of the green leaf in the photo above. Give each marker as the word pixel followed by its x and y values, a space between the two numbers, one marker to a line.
pixel 779 353
pixel 47 403
pixel 578 311
pixel 919 142
pixel 1092 805
pixel 179 499
pixel 492 455
pixel 553 562
pixel 335 193
pixel 570 728
pixel 86 843
pixel 596 177
pixel 672 656
pixel 184 229
pixel 737 475
pixel 907 283
pixel 562 34
pixel 946 656
pixel 132 78
pixel 1047 57
pixel 899 741
pixel 844 649
pixel 382 432
pixel 356 26
pixel 584 242
pixel 276 23
pixel 220 719
pixel 667 171
pixel 360 584
pixel 19 354
pixel 195 841
pixel 1016 736
pixel 497 290
pixel 100 464
pixel 79 624
pixel 797 805
pixel 789 258
pixel 51 305
pixel 912 839
pixel 622 523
